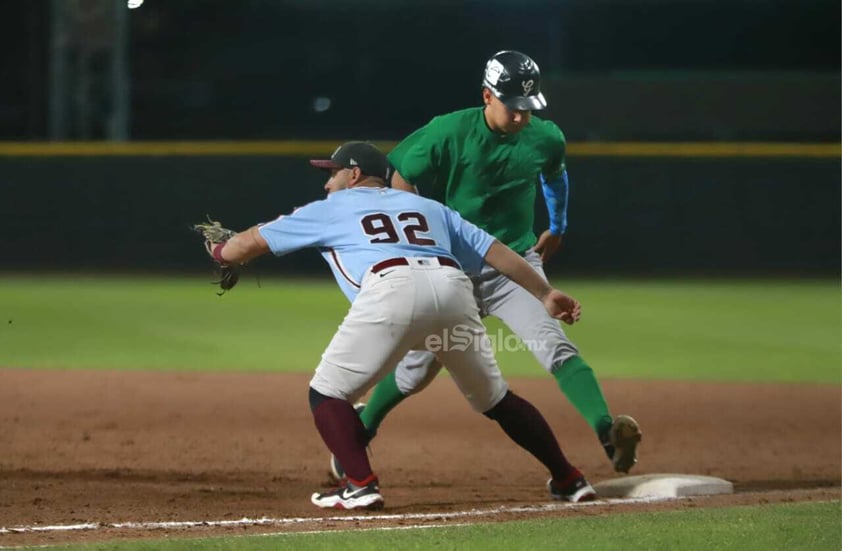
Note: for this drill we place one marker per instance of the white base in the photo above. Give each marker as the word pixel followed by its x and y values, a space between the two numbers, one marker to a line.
pixel 663 485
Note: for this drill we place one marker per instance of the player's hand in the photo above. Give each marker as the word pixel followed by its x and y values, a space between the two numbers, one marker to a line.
pixel 563 307
pixel 548 244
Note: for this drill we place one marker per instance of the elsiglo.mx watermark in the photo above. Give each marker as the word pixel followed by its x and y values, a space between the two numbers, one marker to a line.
pixel 462 338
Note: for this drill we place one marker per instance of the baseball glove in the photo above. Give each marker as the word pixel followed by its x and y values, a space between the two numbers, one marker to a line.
pixel 229 275
pixel 215 235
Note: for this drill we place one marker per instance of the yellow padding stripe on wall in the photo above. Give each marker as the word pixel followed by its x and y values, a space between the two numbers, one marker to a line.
pixel 704 149
pixel 325 147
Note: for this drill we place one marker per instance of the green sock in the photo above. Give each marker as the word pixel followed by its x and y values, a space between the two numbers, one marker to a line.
pixel 576 380
pixel 385 397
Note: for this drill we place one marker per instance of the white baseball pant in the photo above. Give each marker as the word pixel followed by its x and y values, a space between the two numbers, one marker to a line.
pixel 418 306
pixel 498 296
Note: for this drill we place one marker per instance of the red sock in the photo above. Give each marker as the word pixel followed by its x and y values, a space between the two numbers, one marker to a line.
pixel 345 436
pixel 527 427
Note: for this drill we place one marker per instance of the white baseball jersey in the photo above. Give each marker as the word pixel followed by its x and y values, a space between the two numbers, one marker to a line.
pixel 358 227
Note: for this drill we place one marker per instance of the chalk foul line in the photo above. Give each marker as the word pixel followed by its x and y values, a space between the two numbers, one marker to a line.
pixel 265 521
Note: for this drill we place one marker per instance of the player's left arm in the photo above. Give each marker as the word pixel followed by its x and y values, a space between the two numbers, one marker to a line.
pixel 473 246
pixel 554 184
pixel 558 304
pixel 555 194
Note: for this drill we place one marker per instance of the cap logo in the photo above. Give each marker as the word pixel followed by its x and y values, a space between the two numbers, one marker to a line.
pixel 353 162
pixel 493 71
pixel 527 86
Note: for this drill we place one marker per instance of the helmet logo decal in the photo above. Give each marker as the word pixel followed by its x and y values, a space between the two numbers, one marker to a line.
pixel 527 86
pixel 493 71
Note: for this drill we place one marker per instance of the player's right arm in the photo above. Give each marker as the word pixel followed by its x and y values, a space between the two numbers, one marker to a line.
pixel 303 228
pixel 243 247
pixel 416 159
pixel 400 184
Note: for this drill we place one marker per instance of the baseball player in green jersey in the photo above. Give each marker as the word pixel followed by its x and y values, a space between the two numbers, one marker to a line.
pixel 486 163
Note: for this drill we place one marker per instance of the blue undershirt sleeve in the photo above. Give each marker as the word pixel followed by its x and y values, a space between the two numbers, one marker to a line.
pixel 555 194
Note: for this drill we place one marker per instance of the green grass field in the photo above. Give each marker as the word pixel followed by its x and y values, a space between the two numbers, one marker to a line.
pixel 758 331
pixel 750 330
pixel 808 526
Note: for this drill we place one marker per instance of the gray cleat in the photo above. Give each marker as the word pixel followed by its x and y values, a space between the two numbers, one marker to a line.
pixel 623 438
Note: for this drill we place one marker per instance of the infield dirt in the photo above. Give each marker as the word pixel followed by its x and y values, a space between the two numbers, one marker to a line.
pixel 108 446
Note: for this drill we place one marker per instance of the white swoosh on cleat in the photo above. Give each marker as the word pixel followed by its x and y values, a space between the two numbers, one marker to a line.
pixel 347 495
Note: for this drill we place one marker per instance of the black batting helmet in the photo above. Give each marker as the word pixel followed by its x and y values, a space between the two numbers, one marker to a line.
pixel 515 80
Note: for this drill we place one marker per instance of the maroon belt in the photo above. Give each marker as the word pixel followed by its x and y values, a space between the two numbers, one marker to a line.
pixel 401 261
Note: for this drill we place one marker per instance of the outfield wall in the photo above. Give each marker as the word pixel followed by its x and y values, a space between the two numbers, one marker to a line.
pixel 629 215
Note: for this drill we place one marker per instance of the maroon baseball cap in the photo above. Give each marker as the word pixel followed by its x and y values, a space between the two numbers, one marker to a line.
pixel 364 155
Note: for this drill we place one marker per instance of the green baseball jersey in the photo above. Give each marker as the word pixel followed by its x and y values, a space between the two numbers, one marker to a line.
pixel 487 177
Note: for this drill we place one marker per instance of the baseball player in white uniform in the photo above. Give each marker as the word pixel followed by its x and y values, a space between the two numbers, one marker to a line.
pixel 399 258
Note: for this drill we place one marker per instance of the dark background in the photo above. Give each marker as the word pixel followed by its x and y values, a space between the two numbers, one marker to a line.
pixel 627 216
pixel 252 69
pixel 630 70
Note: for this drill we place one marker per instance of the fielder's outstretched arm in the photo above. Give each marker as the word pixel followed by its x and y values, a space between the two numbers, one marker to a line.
pixel 513 266
pixel 243 247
